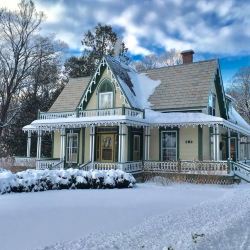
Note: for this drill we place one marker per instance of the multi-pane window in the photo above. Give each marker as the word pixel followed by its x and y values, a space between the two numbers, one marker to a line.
pixel 72 148
pixel 136 148
pixel 106 95
pixel 105 100
pixel 211 104
pixel 168 145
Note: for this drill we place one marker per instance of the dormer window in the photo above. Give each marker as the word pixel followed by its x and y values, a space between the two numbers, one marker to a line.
pixel 106 95
pixel 212 104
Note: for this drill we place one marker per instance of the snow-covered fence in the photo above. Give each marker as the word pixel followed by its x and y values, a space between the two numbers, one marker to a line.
pixel 49 164
pixel 15 161
pixel 188 167
pixel 42 180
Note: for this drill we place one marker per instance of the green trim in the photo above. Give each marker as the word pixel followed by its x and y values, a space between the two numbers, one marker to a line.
pixel 82 104
pixel 161 129
pixel 220 95
pixel 83 144
pixel 200 143
pixel 52 149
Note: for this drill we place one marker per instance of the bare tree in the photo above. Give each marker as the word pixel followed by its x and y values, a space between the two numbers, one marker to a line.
pixel 152 61
pixel 240 91
pixel 18 55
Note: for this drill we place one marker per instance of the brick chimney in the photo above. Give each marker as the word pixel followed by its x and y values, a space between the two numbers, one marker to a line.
pixel 187 56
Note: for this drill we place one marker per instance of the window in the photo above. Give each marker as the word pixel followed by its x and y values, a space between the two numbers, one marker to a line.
pixel 169 145
pixel 106 100
pixel 72 148
pixel 106 95
pixel 137 148
pixel 211 104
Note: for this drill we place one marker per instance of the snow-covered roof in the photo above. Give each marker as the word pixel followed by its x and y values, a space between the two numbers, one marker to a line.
pixel 137 87
pixel 181 118
pixel 236 118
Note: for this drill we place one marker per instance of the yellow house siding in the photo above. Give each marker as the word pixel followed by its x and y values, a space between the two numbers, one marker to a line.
pixel 188 151
pixel 57 144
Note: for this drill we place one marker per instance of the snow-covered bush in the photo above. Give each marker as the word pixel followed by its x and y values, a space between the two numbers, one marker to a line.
pixel 42 180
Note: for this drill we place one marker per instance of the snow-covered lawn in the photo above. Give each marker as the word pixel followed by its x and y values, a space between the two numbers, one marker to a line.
pixel 148 216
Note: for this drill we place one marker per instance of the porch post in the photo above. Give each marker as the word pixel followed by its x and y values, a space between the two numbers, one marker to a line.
pixel 214 143
pixel 62 148
pixel 39 144
pixel 92 144
pixel 238 146
pixel 28 143
pixel 217 142
pixel 122 133
pixel 119 142
pixel 229 143
pixel 147 143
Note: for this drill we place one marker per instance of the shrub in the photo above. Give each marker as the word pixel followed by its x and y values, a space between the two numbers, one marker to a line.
pixel 42 180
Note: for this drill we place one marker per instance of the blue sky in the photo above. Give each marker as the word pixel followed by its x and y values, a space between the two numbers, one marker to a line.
pixel 212 28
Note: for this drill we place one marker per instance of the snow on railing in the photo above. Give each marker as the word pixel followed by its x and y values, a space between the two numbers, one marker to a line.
pixel 241 170
pixel 54 115
pixel 131 167
pixel 188 167
pixel 93 112
pixel 100 112
pixel 49 164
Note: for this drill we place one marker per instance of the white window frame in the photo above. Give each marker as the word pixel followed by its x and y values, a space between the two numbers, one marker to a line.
pixel 100 98
pixel 70 146
pixel 176 147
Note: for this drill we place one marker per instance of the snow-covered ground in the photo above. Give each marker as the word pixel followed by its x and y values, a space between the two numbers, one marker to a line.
pixel 149 216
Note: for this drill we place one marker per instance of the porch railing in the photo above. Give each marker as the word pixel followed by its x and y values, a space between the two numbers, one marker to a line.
pixel 49 164
pixel 241 170
pixel 189 167
pixel 131 112
pixel 129 167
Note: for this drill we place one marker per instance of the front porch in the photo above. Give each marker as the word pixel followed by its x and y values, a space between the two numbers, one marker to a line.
pixel 193 144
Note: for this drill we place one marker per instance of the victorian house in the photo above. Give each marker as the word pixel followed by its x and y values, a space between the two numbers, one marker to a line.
pixel 175 118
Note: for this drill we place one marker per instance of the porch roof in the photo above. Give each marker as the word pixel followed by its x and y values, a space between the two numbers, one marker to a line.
pixel 153 119
pixel 177 119
pixel 78 122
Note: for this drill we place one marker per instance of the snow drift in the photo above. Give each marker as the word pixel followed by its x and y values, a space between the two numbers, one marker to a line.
pixel 42 180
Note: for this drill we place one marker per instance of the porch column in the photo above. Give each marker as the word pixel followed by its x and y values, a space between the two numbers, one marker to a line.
pixel 92 144
pixel 238 146
pixel 214 143
pixel 147 143
pixel 39 144
pixel 121 148
pixel 217 142
pixel 229 143
pixel 28 143
pixel 63 141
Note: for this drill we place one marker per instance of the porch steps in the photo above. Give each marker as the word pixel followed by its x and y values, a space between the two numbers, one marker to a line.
pixel 241 170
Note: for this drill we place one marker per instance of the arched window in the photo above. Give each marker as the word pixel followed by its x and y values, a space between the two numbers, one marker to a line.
pixel 106 95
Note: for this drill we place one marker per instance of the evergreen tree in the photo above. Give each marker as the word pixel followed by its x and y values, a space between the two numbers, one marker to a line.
pixel 97 43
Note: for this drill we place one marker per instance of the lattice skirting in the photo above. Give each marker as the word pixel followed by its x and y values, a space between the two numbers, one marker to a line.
pixel 190 178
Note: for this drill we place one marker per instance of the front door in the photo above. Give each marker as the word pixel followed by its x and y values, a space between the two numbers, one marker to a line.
pixel 107 147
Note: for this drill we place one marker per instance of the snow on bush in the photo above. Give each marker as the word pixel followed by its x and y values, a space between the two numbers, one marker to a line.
pixel 42 180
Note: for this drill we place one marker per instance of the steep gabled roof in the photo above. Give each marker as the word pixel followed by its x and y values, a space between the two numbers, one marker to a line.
pixel 70 96
pixel 183 86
